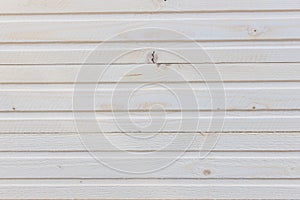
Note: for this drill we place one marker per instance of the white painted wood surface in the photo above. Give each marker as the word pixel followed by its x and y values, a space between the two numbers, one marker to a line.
pixel 71 142
pixel 164 30
pixel 234 62
pixel 236 121
pixel 155 189
pixel 139 53
pixel 169 96
pixel 216 165
pixel 151 73
pixel 94 6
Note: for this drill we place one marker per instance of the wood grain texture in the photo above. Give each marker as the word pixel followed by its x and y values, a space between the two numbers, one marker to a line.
pixel 156 165
pixel 156 96
pixel 65 122
pixel 151 73
pixel 142 6
pixel 141 53
pixel 221 79
pixel 166 189
pixel 165 141
pixel 151 30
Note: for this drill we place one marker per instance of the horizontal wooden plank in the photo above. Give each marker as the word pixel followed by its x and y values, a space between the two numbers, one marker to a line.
pixel 156 96
pixel 144 189
pixel 41 122
pixel 152 165
pixel 162 141
pixel 142 30
pixel 151 73
pixel 140 53
pixel 94 6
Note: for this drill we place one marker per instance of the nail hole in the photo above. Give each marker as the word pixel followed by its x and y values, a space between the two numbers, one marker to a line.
pixel 206 172
pixel 14 108
pixel 253 107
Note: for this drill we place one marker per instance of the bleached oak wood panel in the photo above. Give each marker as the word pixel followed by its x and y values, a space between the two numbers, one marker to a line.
pixel 151 73
pixel 245 165
pixel 43 122
pixel 142 6
pixel 145 97
pixel 256 47
pixel 166 189
pixel 141 53
pixel 187 141
pixel 280 28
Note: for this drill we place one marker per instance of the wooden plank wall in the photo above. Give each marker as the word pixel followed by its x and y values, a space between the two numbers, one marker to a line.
pixel 253 45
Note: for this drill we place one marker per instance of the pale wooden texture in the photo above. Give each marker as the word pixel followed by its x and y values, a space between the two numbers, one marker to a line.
pixel 140 53
pixel 151 73
pixel 144 30
pixel 260 121
pixel 141 6
pixel 150 189
pixel 172 96
pixel 189 141
pixel 221 79
pixel 190 165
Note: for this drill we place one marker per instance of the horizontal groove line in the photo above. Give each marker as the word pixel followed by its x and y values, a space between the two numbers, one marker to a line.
pixel 137 82
pixel 162 63
pixel 227 42
pixel 69 87
pixel 136 41
pixel 166 151
pixel 162 179
pixel 147 111
pixel 165 132
pixel 220 133
pixel 103 63
pixel 125 64
pixel 152 12
pixel 138 132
